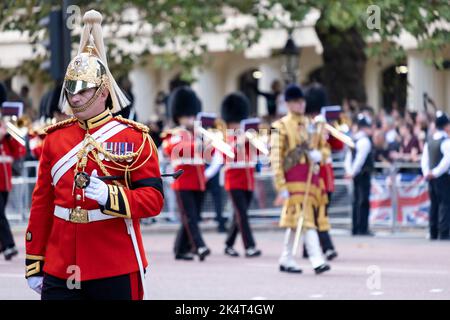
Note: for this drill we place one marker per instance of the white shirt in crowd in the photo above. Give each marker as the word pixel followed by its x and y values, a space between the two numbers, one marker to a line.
pixel 391 136
pixel 363 147
pixel 444 164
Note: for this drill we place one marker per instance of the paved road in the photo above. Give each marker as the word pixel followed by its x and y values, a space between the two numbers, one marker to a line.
pixel 383 267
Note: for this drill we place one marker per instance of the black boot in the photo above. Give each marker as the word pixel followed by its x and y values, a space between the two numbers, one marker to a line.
pixel 252 252
pixel 202 252
pixel 290 269
pixel 330 254
pixel 321 269
pixel 184 256
pixel 229 251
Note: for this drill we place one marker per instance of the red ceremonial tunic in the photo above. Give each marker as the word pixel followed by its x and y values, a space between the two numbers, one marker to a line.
pixel 10 150
pixel 35 141
pixel 179 145
pixel 100 249
pixel 240 171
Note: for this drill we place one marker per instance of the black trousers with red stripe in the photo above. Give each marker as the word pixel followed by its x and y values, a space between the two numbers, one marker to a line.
pixel 241 200
pixel 189 237
pixel 123 287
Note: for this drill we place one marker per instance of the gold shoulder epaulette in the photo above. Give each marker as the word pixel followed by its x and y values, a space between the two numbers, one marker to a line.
pixel 58 125
pixel 137 125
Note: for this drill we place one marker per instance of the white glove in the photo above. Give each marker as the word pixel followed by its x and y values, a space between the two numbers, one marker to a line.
pixel 315 155
pixel 97 190
pixel 284 194
pixel 35 283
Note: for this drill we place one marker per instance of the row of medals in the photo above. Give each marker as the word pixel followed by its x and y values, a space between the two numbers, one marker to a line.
pixel 103 157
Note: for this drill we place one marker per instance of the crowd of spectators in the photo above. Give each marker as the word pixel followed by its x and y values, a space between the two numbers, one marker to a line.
pixel 400 137
pixel 397 136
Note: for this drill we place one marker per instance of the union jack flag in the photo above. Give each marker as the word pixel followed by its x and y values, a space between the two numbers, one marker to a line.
pixel 380 201
pixel 412 200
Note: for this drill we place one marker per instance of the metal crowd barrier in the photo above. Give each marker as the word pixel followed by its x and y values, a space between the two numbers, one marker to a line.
pixel 19 201
pixel 261 211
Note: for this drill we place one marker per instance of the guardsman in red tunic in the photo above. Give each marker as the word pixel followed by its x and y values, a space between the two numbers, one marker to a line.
pixel 239 174
pixel 185 153
pixel 98 176
pixel 10 150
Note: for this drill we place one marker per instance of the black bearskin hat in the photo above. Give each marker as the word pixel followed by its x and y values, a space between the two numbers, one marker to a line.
pixel 316 98
pixel 183 101
pixel 235 107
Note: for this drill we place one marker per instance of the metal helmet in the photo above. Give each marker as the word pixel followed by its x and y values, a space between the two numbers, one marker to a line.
pixel 89 69
pixel 84 71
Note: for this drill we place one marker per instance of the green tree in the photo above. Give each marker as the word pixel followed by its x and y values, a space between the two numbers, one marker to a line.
pixel 345 27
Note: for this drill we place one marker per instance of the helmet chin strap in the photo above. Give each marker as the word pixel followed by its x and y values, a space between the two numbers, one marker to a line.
pixel 89 103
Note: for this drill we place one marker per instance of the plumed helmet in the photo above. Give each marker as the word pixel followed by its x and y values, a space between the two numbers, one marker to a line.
pixel 89 68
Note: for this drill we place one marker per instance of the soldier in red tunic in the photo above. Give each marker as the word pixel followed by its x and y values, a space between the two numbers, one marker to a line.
pixel 83 239
pixel 239 174
pixel 185 153
pixel 10 150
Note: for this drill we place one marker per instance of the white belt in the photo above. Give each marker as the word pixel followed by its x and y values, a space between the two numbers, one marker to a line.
pixel 90 215
pixel 97 215
pixel 194 162
pixel 239 165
